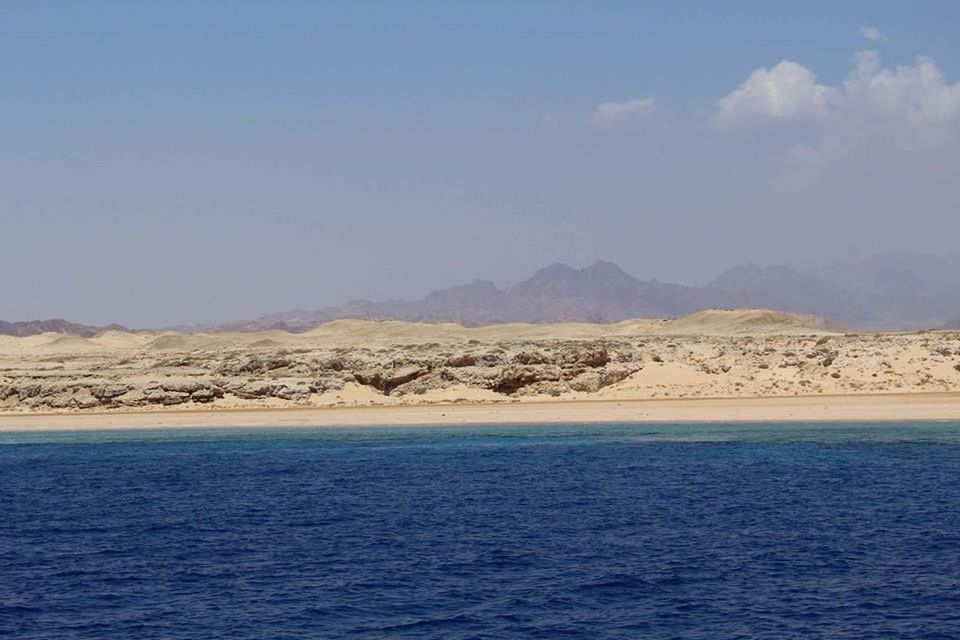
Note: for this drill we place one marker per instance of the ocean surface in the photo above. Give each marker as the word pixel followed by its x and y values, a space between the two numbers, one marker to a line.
pixel 647 531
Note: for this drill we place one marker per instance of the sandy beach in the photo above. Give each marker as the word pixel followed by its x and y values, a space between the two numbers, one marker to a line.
pixel 868 408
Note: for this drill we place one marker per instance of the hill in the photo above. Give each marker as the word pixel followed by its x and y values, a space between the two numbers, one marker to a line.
pixel 871 295
pixel 779 287
pixel 748 322
pixel 36 327
pixel 892 292
pixel 601 292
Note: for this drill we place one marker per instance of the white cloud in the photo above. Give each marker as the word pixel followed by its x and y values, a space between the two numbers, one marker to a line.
pixel 912 95
pixel 611 113
pixel 882 141
pixel 788 91
pixel 890 131
pixel 915 95
pixel 872 34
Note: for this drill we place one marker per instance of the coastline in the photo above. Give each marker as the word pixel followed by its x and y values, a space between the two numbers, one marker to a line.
pixel 907 407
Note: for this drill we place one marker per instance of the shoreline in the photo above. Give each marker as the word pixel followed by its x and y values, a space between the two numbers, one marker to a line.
pixel 907 407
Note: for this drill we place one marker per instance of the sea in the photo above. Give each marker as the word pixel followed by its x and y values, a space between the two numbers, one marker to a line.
pixel 541 531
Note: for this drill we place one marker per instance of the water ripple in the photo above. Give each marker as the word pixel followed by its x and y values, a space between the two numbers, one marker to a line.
pixel 560 532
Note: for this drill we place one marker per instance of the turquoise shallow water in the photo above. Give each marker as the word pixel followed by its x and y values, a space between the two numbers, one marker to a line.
pixel 944 432
pixel 619 531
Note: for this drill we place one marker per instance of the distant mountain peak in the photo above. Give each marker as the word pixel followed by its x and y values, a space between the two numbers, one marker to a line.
pixel 599 292
pixel 895 291
pixel 481 284
pixel 604 265
pixel 555 271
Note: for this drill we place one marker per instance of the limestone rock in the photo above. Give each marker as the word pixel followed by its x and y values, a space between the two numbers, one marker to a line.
pixel 589 382
pixel 159 395
pixel 187 386
pixel 108 391
pixel 206 394
pixel 515 377
pixel 76 399
pixel 294 392
pixel 322 385
pixel 132 398
pixel 256 389
pixel 83 399
pixel 386 380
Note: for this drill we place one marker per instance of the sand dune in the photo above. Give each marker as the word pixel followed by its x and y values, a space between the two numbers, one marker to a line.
pixel 120 340
pixel 58 343
pixel 345 331
pixel 743 322
pixel 358 332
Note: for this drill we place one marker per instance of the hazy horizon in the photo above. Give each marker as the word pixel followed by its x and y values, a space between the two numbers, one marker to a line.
pixel 180 163
pixel 814 269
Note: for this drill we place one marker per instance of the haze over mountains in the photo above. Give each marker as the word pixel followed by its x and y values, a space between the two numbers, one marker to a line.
pixel 36 327
pixel 886 292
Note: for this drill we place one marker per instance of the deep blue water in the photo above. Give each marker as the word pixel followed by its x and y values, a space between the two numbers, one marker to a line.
pixel 708 531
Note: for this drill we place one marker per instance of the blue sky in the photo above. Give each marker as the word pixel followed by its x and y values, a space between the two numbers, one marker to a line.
pixel 205 161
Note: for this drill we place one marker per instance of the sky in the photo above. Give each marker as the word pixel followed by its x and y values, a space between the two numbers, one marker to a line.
pixel 206 161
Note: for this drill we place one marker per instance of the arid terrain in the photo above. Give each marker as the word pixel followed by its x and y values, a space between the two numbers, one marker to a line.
pixel 350 363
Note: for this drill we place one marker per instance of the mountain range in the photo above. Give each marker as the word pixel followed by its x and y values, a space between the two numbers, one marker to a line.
pixel 36 327
pixel 894 291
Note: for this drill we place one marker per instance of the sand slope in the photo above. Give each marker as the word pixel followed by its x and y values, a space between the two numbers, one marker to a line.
pixel 752 322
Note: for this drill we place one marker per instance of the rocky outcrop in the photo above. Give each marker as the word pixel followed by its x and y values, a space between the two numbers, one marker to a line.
pixel 275 374
pixel 319 371
pixel 388 379
pixel 93 393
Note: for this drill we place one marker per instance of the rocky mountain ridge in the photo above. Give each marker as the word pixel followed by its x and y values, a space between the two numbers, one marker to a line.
pixel 37 327
pixel 896 293
pixel 892 292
